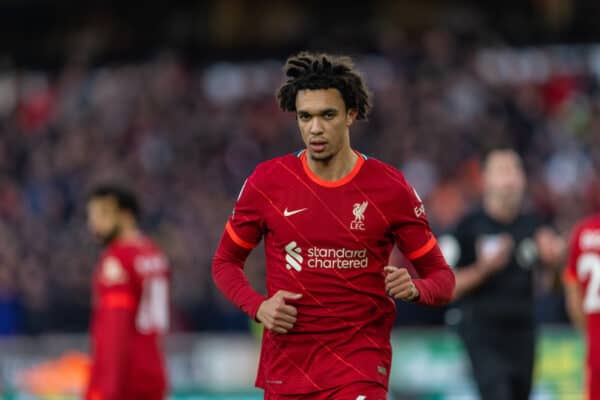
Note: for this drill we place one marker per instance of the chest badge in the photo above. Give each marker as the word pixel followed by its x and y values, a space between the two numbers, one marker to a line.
pixel 358 224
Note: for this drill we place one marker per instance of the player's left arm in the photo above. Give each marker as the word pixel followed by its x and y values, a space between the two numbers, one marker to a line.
pixel 117 305
pixel 435 285
pixel 573 289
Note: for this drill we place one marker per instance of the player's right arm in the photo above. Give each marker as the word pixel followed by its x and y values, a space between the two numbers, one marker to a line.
pixel 490 258
pixel 573 288
pixel 243 232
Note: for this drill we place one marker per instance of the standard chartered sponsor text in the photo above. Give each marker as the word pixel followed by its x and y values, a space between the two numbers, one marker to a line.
pixel 337 258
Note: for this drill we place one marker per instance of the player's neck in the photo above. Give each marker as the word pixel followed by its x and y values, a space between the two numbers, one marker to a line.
pixel 336 168
pixel 129 234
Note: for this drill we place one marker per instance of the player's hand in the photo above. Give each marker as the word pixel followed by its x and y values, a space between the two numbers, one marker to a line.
pixel 277 316
pixel 493 253
pixel 399 284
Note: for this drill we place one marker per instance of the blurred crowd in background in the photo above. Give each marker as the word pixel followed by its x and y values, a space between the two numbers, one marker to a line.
pixel 185 135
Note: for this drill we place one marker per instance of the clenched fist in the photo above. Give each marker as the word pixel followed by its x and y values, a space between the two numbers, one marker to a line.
pixel 277 316
pixel 399 284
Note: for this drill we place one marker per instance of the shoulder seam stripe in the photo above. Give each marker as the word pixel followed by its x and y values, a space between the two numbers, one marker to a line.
pixel 420 252
pixel 236 239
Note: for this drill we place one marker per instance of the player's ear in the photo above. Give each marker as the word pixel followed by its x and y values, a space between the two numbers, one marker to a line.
pixel 351 116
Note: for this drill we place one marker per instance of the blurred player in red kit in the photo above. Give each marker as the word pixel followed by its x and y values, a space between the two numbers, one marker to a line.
pixel 330 217
pixel 130 302
pixel 582 288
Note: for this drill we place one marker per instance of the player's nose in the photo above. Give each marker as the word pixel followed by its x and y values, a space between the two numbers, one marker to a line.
pixel 316 126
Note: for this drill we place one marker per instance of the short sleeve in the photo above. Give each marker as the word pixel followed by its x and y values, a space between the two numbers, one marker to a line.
pixel 246 224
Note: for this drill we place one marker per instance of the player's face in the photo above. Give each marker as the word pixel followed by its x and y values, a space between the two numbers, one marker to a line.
pixel 504 178
pixel 103 218
pixel 324 122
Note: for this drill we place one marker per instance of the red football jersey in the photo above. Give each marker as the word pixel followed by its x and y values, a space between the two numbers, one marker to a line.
pixel 130 314
pixel 583 266
pixel 328 241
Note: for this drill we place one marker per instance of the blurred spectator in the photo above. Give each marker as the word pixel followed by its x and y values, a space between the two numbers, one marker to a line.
pixel 10 307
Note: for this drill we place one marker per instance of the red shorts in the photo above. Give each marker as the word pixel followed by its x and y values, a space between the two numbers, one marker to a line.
pixel 353 391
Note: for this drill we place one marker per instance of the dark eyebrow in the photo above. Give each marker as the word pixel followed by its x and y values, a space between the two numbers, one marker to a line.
pixel 323 112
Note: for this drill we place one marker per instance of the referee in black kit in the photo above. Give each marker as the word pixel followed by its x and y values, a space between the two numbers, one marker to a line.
pixel 495 248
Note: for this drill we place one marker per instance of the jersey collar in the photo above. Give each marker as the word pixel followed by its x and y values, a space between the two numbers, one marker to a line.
pixel 332 184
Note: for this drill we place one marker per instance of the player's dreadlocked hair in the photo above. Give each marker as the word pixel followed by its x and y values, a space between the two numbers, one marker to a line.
pixel 315 71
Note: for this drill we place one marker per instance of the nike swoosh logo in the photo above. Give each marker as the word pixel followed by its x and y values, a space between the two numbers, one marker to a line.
pixel 287 213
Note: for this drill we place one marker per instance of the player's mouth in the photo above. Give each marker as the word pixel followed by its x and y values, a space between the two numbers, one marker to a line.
pixel 318 145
